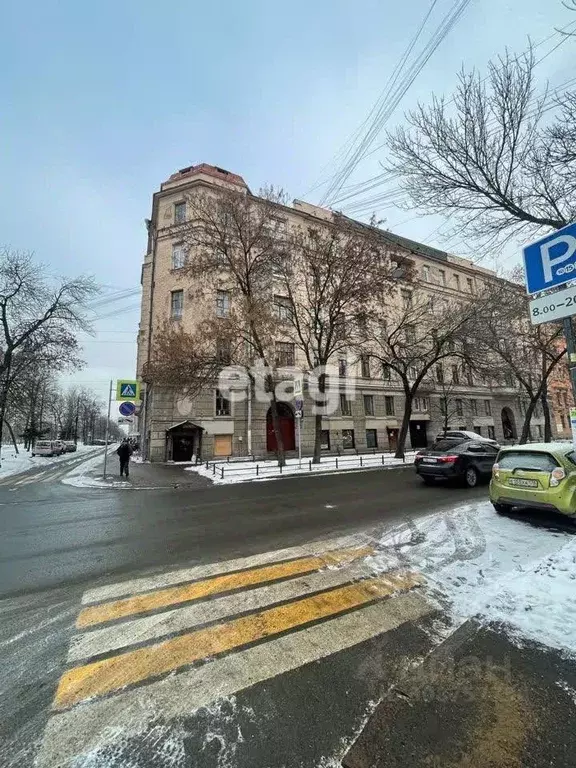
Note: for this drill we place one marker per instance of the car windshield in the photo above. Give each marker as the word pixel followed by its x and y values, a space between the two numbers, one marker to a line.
pixel 536 461
pixel 42 444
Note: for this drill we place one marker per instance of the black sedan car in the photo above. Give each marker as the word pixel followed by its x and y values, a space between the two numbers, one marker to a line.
pixel 466 461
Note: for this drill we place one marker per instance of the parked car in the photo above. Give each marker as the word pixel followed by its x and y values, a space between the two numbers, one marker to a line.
pixel 70 446
pixel 45 448
pixel 454 459
pixel 465 434
pixel 60 447
pixel 541 475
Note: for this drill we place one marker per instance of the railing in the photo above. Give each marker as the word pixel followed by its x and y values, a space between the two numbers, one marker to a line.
pixel 224 469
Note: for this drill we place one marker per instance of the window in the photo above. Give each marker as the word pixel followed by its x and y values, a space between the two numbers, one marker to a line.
pixel 371 438
pixel 443 406
pixel 386 372
pixel 222 303
pixel 442 276
pixel 539 430
pixel 487 408
pixel 348 438
pixel 420 404
pixel 534 460
pixel 439 374
pixel 459 408
pixel 522 407
pixel 179 213
pixel 406 299
pixel 412 372
pixel 491 432
pixel 474 407
pixel 342 366
pixel 365 366
pixel 508 379
pixel 176 304
pixel 178 256
pixel 478 430
pixel 469 377
pixel 562 421
pixel 223 351
pixel 325 440
pixel 345 405
pixel 284 354
pixel 283 308
pixel 455 375
pixel 222 404
pixel 470 284
pixel 457 282
pixel 369 405
pixel 389 405
pixel 426 273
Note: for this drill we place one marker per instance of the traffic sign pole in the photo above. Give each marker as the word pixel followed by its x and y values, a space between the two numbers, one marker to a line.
pixel 107 429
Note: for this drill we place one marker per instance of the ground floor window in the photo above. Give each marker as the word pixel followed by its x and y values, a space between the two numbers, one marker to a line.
pixel 491 433
pixel 539 430
pixel 478 430
pixel 371 438
pixel 348 438
pixel 325 440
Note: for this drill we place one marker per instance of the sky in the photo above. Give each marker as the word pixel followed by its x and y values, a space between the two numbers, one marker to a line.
pixel 101 102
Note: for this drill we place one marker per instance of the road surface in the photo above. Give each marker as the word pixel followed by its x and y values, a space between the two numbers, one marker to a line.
pixel 211 627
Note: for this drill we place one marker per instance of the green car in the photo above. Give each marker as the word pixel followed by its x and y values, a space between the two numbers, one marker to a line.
pixel 539 475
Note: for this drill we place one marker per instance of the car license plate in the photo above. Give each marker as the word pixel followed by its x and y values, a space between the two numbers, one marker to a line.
pixel 428 461
pixel 523 482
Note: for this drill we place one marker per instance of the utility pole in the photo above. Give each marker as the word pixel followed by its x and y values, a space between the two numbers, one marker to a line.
pixel 107 429
pixel 571 353
pixel 77 417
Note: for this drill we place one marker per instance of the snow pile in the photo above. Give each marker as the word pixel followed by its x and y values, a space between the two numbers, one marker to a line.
pixel 500 569
pixel 225 473
pixel 83 475
pixel 13 463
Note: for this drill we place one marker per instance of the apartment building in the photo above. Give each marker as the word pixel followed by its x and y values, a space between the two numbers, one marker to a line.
pixel 175 427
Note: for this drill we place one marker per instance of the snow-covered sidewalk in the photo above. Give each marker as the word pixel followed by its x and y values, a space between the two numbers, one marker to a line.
pixel 224 472
pixel 13 463
pixel 500 569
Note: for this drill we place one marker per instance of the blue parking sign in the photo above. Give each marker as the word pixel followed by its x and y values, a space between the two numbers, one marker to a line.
pixel 551 261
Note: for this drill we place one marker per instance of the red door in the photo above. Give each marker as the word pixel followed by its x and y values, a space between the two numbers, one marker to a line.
pixel 286 419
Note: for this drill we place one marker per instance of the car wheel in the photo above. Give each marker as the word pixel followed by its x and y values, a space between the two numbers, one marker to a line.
pixel 502 509
pixel 471 477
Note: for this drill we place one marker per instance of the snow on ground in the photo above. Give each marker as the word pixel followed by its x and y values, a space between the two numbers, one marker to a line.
pixel 501 569
pixel 224 473
pixel 83 475
pixel 13 463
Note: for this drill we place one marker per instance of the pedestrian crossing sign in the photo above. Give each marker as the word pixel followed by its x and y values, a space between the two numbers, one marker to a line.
pixel 127 390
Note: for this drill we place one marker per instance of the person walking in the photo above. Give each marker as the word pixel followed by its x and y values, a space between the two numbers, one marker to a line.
pixel 124 451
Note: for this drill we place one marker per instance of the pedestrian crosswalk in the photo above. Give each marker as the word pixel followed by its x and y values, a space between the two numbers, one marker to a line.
pixel 171 643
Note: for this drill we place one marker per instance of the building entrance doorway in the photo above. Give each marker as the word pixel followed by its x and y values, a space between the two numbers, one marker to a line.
pixel 509 424
pixel 419 434
pixel 184 441
pixel 286 419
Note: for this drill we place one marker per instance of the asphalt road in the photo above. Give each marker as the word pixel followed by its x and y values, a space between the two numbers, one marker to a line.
pixel 54 535
pixel 245 627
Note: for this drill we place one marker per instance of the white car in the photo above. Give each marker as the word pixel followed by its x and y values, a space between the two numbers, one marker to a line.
pixel 465 434
pixel 46 448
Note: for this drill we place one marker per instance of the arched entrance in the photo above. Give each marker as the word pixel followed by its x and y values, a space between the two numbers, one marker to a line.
pixel 509 424
pixel 286 418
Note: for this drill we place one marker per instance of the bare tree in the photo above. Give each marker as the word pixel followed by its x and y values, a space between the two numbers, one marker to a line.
pixel 332 275
pixel 36 316
pixel 413 339
pixel 234 241
pixel 449 401
pixel 485 157
pixel 502 334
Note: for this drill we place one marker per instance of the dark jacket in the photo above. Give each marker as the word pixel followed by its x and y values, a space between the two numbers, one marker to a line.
pixel 124 451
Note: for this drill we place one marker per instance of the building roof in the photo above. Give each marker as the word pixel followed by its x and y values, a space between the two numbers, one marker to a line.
pixel 208 170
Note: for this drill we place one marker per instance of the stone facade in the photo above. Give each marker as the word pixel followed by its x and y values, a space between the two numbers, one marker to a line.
pixel 174 427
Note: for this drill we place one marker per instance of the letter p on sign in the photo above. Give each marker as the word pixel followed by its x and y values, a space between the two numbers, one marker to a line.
pixel 548 262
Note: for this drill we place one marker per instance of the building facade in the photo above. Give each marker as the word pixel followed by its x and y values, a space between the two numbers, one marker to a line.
pixel 371 401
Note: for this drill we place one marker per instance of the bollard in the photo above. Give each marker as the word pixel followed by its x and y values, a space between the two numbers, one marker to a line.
pixel 280 465
pixel 310 465
pixel 382 459
pixel 361 461
pixel 222 472
pixel 213 469
pixel 257 468
pixel 336 462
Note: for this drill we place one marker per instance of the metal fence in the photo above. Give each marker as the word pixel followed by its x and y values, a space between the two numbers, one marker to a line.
pixel 227 469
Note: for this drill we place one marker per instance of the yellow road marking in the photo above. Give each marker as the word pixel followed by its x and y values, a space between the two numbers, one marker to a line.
pixel 98 614
pixel 101 677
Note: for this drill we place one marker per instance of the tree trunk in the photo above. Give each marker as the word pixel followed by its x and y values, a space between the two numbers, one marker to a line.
pixel 318 422
pixel 528 419
pixel 546 412
pixel 409 397
pixel 12 435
